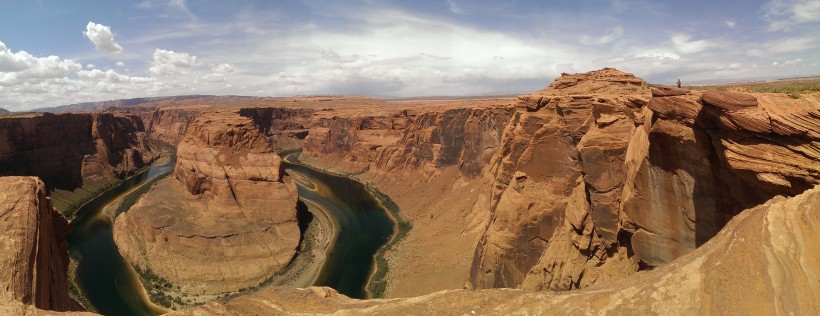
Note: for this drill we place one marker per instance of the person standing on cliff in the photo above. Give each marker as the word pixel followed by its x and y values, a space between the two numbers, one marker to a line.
pixel 678 82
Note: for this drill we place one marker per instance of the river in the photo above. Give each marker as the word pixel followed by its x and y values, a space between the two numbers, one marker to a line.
pixel 113 288
pixel 363 226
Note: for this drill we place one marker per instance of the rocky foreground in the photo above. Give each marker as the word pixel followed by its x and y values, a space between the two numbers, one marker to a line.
pixel 764 262
pixel 634 199
pixel 33 247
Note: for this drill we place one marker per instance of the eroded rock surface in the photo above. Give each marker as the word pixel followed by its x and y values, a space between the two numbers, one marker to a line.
pixel 226 221
pixel 557 181
pixel 708 158
pixel 68 150
pixel 428 157
pixel 775 242
pixel 594 183
pixel 33 247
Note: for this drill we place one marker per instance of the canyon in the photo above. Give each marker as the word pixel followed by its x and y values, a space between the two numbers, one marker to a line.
pixel 598 194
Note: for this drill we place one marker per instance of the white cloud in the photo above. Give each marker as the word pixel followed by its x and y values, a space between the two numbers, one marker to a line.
pixel 145 5
pixel 792 62
pixel 782 15
pixel 111 76
pixel 169 63
pixel 684 45
pixel 454 7
pixel 222 68
pixel 90 66
pixel 658 55
pixel 782 46
pixel 120 64
pixel 613 34
pixel 102 38
pixel 182 7
pixel 21 67
pixel 333 56
pixel 730 24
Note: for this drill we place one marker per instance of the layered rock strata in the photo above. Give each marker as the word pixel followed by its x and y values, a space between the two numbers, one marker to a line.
pixel 68 150
pixel 595 180
pixel 427 157
pixel 410 137
pixel 707 157
pixel 167 124
pixel 33 247
pixel 557 181
pixel 226 221
pixel 775 242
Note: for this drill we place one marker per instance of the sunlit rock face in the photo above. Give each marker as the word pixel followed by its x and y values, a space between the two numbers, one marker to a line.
pixel 776 242
pixel 557 183
pixel 226 221
pixel 33 247
pixel 595 179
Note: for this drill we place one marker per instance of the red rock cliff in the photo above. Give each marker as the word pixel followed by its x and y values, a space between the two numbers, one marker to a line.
pixel 408 138
pixel 33 247
pixel 594 180
pixel 65 150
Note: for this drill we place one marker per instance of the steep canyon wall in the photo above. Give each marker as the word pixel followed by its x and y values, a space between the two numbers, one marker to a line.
pixel 66 150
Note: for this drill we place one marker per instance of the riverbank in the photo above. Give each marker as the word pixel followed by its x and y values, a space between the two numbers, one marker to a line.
pixel 120 203
pixel 442 204
pixel 377 282
pixel 92 232
pixel 319 232
pixel 69 202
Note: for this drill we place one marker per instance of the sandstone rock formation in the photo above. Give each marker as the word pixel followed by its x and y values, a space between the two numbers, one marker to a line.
pixel 707 158
pixel 428 157
pixel 557 179
pixel 763 262
pixel 591 184
pixel 228 219
pixel 33 247
pixel 167 124
pixel 68 150
pixel 286 128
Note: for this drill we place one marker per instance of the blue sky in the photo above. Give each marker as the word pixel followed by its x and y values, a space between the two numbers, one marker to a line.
pixel 61 52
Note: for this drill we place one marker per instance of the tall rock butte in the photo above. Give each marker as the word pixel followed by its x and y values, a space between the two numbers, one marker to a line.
pixel 33 247
pixel 596 179
pixel 557 181
pixel 226 221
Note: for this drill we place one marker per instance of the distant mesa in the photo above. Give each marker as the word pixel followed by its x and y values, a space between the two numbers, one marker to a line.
pixel 103 105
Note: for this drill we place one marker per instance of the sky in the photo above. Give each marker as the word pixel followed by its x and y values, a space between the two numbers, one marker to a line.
pixel 62 52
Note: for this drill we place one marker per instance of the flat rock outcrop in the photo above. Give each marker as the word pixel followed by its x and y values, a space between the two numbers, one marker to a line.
pixel 68 150
pixel 775 242
pixel 33 247
pixel 226 221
